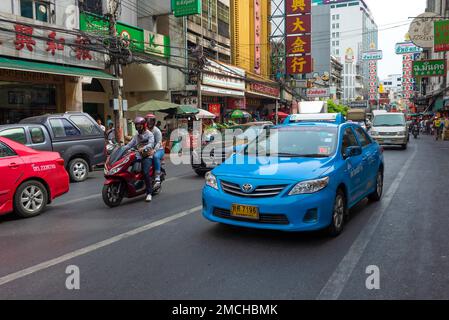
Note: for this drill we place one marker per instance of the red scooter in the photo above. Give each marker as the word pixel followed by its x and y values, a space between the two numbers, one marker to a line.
pixel 124 176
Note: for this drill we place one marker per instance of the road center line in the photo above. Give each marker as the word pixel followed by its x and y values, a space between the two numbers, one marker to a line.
pixel 47 264
pixel 341 275
pixel 98 195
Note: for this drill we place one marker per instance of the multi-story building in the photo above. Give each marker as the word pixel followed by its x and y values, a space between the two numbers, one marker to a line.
pixel 433 91
pixel 393 86
pixel 352 32
pixel 251 51
pixel 327 68
pixel 42 62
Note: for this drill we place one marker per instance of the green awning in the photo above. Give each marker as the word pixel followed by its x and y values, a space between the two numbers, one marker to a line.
pixel 438 105
pixel 154 105
pixel 31 66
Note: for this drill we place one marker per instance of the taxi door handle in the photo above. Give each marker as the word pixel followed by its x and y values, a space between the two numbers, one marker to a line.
pixel 13 165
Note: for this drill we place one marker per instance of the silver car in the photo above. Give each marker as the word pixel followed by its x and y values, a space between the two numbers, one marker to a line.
pixel 390 128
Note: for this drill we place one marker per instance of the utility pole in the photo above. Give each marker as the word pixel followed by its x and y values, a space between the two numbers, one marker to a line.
pixel 116 70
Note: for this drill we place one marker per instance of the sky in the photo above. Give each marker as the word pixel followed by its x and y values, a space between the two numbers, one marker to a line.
pixel 388 14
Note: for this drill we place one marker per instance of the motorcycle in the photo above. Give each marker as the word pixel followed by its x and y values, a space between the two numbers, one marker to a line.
pixel 124 178
pixel 415 131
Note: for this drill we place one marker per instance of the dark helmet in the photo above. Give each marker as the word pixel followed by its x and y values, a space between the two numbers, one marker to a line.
pixel 139 124
pixel 150 119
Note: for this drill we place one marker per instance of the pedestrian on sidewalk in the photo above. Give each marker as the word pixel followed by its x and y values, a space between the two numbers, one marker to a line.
pixel 445 126
pixel 438 125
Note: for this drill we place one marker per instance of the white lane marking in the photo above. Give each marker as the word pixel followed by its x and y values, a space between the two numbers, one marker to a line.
pixel 341 275
pixel 98 195
pixel 50 263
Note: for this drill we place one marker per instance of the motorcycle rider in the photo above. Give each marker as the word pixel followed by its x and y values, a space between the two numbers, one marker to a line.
pixel 159 152
pixel 144 141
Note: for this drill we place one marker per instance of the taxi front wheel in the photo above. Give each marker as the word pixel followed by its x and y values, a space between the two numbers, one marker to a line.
pixel 30 199
pixel 339 213
pixel 377 194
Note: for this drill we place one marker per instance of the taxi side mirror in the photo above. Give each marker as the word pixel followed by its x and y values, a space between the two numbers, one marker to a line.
pixel 352 152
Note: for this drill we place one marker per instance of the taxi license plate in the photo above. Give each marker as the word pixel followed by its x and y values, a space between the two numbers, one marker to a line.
pixel 242 211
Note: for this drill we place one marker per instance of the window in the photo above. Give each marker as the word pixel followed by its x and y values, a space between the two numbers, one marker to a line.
pixel 63 128
pixel 34 9
pixel 363 137
pixel 37 135
pixel 337 52
pixel 15 134
pixel 92 6
pixel 349 140
pixel 86 126
pixel 6 151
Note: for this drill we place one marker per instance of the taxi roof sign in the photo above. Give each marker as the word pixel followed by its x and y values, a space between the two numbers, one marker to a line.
pixel 336 118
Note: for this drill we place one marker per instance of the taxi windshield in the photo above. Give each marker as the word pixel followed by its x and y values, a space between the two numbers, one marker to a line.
pixel 301 141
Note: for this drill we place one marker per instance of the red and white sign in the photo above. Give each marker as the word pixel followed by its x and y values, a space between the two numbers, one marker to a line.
pixel 372 66
pixel 214 108
pixel 318 93
pixel 407 79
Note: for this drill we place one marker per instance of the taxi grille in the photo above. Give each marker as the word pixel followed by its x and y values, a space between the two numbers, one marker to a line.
pixel 259 192
pixel 263 218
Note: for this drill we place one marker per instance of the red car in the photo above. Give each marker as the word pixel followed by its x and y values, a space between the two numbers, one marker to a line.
pixel 29 179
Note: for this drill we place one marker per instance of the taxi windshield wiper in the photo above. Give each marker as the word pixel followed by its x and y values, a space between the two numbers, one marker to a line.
pixel 313 155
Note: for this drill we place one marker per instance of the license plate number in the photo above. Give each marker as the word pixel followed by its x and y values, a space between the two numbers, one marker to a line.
pixel 242 211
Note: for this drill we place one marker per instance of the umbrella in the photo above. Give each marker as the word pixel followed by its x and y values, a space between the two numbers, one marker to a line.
pixel 204 114
pixel 281 115
pixel 154 105
pixel 238 114
pixel 186 109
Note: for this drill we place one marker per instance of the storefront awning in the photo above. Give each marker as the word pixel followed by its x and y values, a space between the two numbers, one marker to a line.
pixel 31 66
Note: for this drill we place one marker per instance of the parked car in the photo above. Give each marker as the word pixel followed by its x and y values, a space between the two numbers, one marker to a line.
pixel 319 171
pixel 30 179
pixel 75 135
pixel 390 128
pixel 214 153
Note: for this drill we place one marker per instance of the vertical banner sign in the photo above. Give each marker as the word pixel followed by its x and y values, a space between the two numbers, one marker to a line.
pixel 372 66
pixel 441 35
pixel 298 32
pixel 408 82
pixel 257 35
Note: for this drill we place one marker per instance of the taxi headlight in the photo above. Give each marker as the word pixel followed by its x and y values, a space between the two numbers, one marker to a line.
pixel 374 133
pixel 401 133
pixel 310 186
pixel 211 180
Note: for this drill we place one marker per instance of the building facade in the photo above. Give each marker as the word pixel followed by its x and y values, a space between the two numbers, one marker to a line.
pixel 251 51
pixel 43 64
pixel 352 32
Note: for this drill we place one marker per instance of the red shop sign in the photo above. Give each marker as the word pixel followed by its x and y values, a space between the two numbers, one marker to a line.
pixel 298 6
pixel 264 89
pixel 215 108
pixel 299 24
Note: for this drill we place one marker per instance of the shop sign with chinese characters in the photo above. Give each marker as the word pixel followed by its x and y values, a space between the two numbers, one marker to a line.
pixel 223 76
pixel 429 68
pixel 298 36
pixel 264 89
pixel 44 44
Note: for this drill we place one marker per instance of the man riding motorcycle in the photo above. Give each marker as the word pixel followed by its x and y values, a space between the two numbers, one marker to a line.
pixel 158 150
pixel 144 141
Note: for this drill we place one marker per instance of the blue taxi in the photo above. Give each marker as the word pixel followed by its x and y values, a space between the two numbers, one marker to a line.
pixel 302 175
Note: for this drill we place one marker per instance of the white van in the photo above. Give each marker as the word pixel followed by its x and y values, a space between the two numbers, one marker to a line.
pixel 390 128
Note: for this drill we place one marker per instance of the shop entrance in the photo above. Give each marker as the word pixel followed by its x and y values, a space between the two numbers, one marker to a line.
pixel 19 100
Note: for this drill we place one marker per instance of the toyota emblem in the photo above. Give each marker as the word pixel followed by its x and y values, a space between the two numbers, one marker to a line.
pixel 247 188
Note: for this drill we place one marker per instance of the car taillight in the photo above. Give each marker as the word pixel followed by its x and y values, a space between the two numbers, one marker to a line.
pixel 60 161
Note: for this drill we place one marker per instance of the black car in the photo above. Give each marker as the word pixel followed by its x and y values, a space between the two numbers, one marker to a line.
pixel 75 135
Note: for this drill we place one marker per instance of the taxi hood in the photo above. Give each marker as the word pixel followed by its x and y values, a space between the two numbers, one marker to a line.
pixel 280 168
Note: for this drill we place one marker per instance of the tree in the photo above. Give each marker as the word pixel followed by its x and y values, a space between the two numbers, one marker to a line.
pixel 333 107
